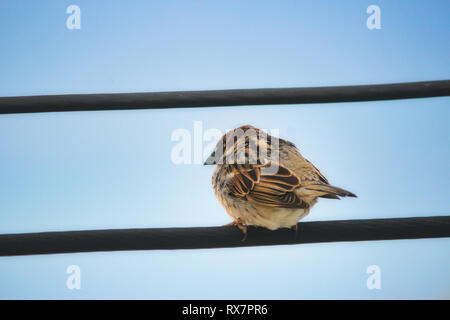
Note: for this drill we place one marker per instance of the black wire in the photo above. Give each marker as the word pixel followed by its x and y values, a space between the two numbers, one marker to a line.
pixel 222 237
pixel 211 98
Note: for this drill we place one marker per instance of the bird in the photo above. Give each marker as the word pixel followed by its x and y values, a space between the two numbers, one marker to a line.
pixel 264 181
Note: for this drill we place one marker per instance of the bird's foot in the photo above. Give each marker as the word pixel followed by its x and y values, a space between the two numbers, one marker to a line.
pixel 241 225
pixel 231 224
pixel 295 228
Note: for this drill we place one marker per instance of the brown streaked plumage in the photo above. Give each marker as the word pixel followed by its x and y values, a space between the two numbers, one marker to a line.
pixel 264 181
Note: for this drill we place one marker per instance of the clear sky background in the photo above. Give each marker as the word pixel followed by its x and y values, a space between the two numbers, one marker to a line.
pixel 113 169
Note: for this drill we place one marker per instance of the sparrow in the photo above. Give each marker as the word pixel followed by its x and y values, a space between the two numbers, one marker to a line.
pixel 264 181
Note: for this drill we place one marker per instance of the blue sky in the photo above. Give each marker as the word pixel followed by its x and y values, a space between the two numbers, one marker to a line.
pixel 112 169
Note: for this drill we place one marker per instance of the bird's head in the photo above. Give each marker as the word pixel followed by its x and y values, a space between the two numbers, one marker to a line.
pixel 237 146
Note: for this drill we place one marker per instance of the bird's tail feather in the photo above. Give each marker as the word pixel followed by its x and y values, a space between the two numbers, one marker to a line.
pixel 329 191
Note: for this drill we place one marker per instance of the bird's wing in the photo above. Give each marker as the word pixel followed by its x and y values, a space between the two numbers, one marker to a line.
pixel 242 178
pixel 274 190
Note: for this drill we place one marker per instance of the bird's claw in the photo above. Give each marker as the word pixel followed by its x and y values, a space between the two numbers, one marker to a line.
pixel 295 228
pixel 238 223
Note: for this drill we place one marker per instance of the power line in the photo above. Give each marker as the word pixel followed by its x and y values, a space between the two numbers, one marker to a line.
pixel 222 237
pixel 215 98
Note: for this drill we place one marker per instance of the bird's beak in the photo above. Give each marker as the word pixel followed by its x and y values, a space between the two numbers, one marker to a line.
pixel 211 160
